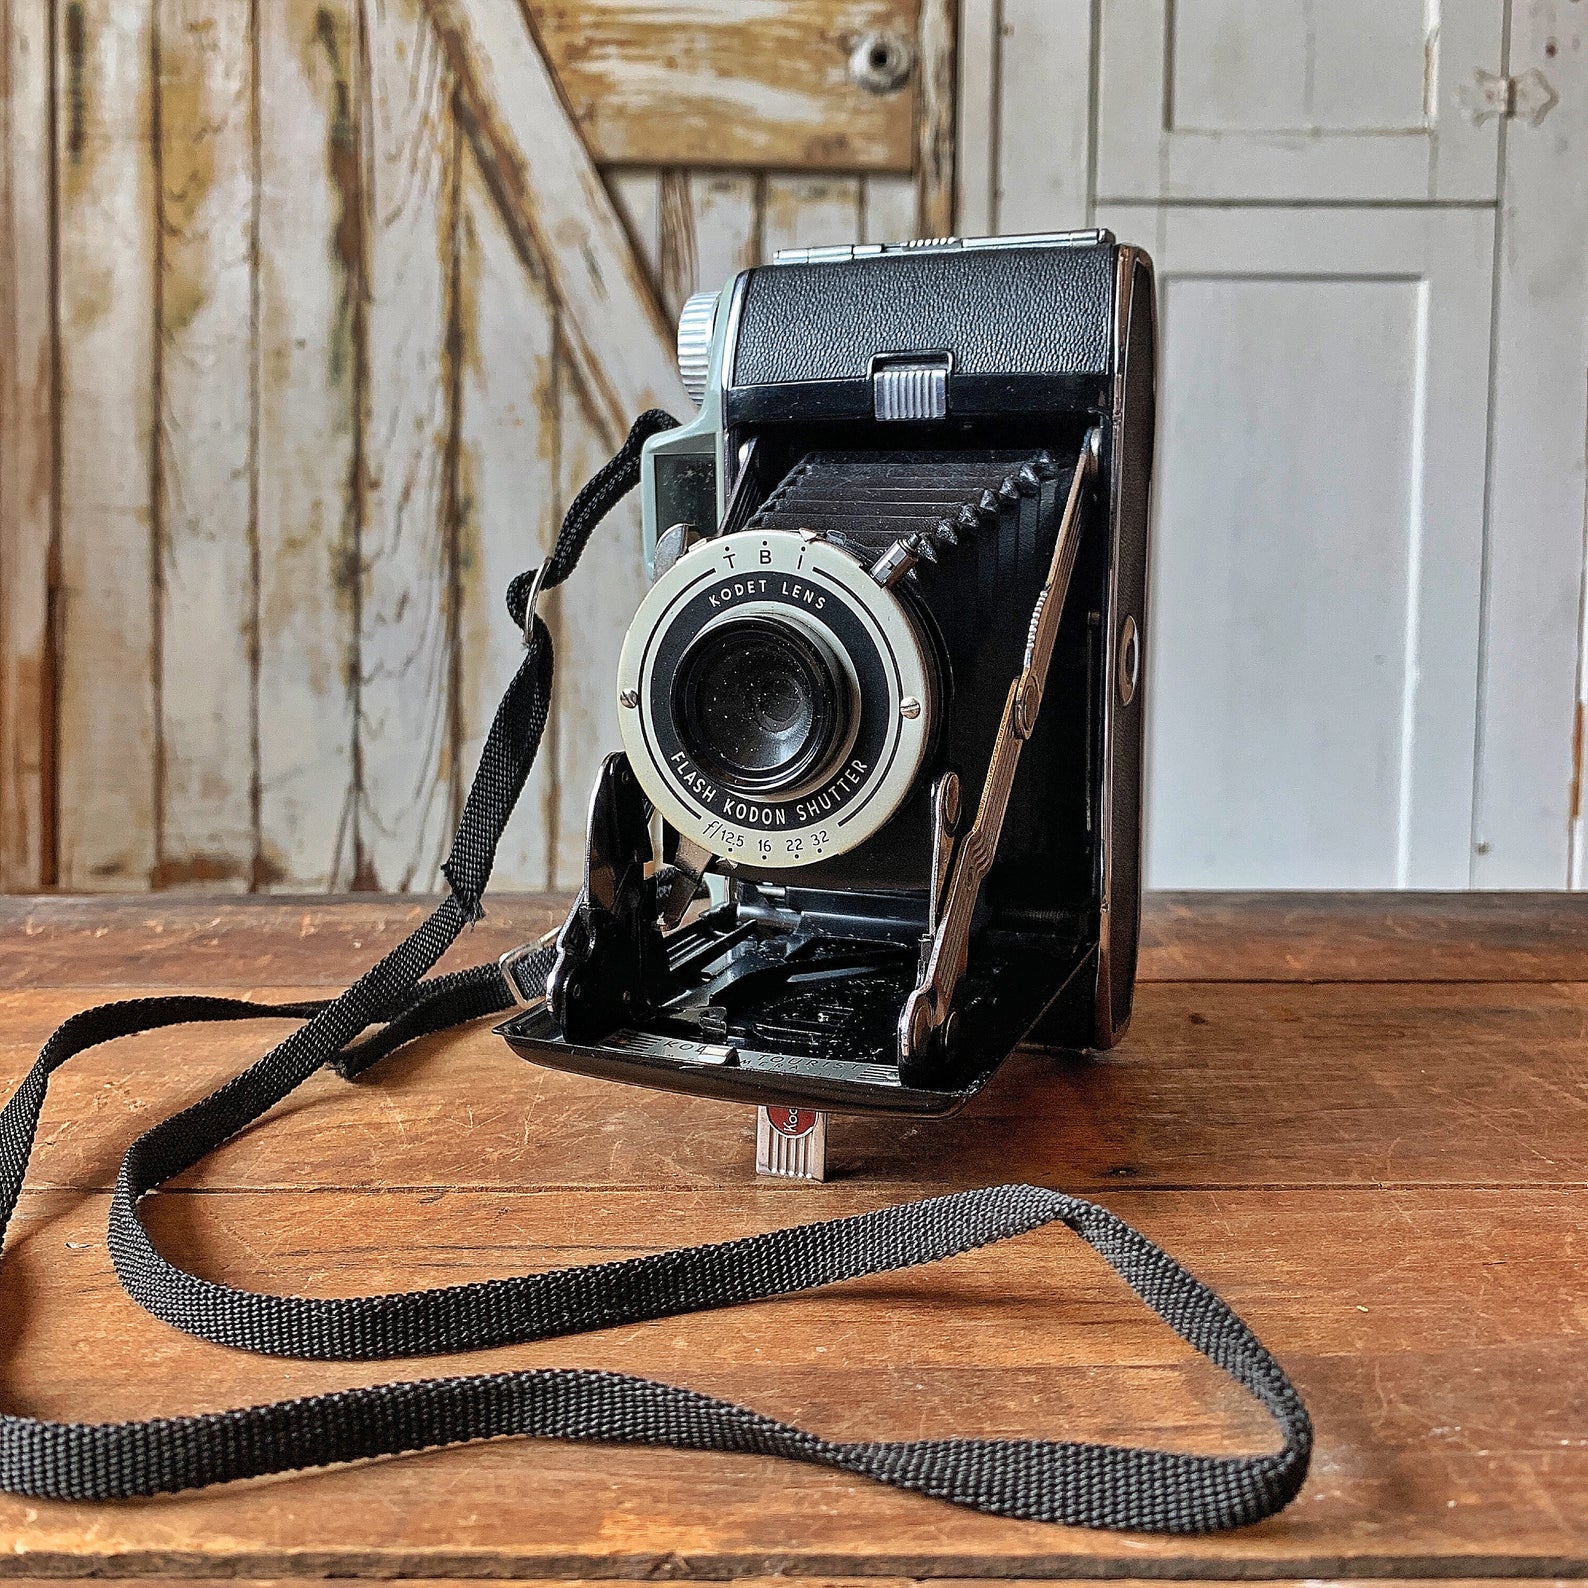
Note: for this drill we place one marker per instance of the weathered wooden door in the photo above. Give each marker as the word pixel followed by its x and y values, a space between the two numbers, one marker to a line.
pixel 321 312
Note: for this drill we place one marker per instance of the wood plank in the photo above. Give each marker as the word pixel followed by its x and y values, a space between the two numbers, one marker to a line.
pixel 703 228
pixel 1579 759
pixel 313 285
pixel 107 722
pixel 1217 1085
pixel 1044 120
pixel 805 212
pixel 27 447
pixel 1280 937
pixel 936 33
pixel 509 501
pixel 976 119
pixel 1449 1417
pixel 1528 826
pixel 204 942
pixel 828 1580
pixel 725 219
pixel 707 229
pixel 637 195
pixel 720 83
pixel 593 611
pixel 558 210
pixel 677 269
pixel 889 209
pixel 208 618
pixel 406 753
pixel 1515 937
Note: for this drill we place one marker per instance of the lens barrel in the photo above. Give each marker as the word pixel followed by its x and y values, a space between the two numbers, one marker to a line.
pixel 760 704
pixel 777 704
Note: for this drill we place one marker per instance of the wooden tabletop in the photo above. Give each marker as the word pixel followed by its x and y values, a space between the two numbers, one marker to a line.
pixel 1363 1119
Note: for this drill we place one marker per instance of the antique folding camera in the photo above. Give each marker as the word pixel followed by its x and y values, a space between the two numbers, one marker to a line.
pixel 885 693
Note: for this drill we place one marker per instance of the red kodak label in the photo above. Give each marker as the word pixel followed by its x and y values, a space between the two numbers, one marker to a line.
pixel 792 1121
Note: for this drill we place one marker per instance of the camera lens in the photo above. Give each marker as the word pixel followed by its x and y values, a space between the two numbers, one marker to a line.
pixel 759 704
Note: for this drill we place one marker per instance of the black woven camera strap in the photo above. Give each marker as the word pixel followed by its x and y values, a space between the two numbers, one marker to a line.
pixel 1052 1481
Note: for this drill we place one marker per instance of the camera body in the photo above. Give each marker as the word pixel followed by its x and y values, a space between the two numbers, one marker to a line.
pixel 886 689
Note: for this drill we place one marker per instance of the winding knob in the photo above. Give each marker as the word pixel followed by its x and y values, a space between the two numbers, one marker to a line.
pixel 695 326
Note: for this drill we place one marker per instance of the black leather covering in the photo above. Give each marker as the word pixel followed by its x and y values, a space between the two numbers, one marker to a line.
pixel 999 311
pixel 1132 460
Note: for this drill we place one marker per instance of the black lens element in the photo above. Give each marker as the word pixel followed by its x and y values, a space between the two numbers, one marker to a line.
pixel 758 704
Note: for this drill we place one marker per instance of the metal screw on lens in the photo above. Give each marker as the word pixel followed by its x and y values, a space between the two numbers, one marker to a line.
pixel 629 698
pixel 910 707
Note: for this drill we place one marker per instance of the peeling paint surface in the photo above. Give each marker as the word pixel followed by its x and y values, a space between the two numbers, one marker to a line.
pixel 326 380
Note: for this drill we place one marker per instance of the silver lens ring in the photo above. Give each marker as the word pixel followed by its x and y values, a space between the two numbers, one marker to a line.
pixel 820 593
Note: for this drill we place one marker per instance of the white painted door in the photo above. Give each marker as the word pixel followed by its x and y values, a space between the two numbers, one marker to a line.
pixel 1369 624
pixel 1297 99
pixel 1315 603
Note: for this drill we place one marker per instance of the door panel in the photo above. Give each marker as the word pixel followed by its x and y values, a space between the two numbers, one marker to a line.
pixel 1313 634
pixel 1535 711
pixel 1325 99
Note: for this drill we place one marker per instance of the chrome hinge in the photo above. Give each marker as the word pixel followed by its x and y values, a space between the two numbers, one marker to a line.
pixel 1528 98
pixel 836 253
pixel 842 252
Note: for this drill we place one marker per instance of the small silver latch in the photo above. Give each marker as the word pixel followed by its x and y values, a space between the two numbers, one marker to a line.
pixel 910 387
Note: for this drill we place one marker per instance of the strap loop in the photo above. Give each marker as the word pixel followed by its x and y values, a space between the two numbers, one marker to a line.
pixel 531 602
pixel 1092 1485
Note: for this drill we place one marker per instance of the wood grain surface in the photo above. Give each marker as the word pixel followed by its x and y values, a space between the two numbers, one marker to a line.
pixel 204 457
pixel 27 444
pixel 313 287
pixel 407 677
pixel 1241 937
pixel 722 83
pixel 1382 1169
pixel 106 792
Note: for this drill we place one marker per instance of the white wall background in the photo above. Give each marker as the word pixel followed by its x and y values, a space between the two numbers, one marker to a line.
pixel 1366 636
